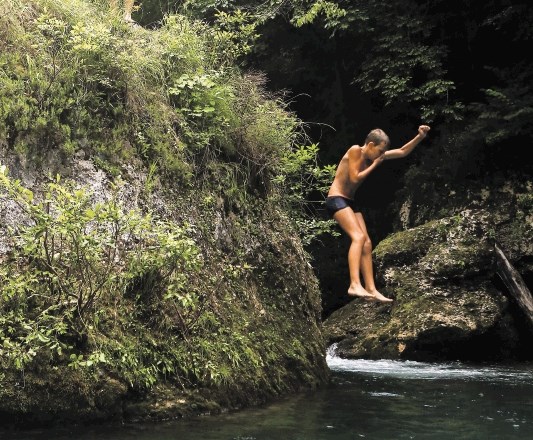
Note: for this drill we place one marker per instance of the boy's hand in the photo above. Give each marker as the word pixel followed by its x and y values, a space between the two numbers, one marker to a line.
pixel 423 130
pixel 378 160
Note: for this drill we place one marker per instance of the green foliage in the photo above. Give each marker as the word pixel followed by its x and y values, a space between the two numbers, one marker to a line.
pixel 66 77
pixel 265 132
pixel 205 109
pixel 332 13
pixel 525 201
pixel 71 259
pixel 79 82
pixel 404 67
pixel 300 180
pixel 92 286
pixel 507 110
pixel 84 82
pixel 106 291
pixel 235 33
pixel 400 63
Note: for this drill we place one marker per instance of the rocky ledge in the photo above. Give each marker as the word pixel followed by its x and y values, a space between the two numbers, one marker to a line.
pixel 451 300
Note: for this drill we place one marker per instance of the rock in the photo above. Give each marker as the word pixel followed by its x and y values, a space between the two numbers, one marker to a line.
pixel 440 275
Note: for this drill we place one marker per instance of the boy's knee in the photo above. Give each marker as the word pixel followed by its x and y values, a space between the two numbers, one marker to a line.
pixel 358 237
pixel 367 246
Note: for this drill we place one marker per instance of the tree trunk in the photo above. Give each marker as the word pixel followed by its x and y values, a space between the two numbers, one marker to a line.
pixel 516 285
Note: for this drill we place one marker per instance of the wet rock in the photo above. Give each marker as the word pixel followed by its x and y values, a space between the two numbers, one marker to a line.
pixel 441 276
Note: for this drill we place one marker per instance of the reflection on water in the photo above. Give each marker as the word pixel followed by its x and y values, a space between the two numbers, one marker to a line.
pixel 366 400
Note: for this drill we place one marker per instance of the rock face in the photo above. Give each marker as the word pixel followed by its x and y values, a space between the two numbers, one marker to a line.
pixel 269 303
pixel 449 302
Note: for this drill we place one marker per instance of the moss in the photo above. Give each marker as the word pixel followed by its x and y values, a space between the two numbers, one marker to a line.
pixel 196 143
pixel 442 289
pixel 28 398
pixel 406 247
pixel 260 336
pixel 446 262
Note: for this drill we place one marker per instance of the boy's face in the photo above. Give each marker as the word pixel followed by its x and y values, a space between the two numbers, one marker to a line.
pixel 377 150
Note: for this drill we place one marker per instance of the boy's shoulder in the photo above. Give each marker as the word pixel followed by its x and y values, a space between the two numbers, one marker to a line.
pixel 353 149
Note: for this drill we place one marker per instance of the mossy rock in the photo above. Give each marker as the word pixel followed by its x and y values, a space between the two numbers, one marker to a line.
pixel 440 277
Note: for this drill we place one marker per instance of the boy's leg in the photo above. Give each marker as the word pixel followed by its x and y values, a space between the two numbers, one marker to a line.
pixel 348 222
pixel 366 255
pixel 366 261
pixel 128 7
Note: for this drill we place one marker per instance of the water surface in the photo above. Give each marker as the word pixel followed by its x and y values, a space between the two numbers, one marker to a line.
pixel 366 400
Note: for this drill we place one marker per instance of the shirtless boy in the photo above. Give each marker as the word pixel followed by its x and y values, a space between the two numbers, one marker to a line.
pixel 128 7
pixel 353 169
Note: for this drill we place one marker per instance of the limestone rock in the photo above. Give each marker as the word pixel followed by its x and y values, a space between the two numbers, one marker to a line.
pixel 446 303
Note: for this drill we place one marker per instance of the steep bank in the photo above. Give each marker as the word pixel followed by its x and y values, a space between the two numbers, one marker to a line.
pixel 161 275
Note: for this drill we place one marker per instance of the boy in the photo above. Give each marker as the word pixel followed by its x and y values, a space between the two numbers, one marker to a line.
pixel 353 169
pixel 128 8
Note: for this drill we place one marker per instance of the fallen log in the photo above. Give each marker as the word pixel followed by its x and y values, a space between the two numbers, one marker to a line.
pixel 515 284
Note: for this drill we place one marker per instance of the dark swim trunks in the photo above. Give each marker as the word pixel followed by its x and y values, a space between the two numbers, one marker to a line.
pixel 336 203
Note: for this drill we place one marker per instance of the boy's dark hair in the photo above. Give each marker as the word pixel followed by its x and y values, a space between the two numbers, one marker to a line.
pixel 378 136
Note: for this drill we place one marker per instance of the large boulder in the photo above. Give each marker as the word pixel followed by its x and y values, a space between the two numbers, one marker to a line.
pixel 448 300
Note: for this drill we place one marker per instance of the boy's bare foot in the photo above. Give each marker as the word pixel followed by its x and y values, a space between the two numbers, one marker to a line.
pixel 379 297
pixel 360 292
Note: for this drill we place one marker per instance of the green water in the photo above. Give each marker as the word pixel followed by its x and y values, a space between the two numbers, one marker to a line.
pixel 366 400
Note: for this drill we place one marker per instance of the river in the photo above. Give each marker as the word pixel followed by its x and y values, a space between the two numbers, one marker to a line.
pixel 366 399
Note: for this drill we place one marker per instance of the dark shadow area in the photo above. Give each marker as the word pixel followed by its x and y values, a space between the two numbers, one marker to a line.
pixel 509 340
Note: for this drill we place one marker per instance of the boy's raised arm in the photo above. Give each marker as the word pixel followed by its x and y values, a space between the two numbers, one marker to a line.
pixel 398 153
